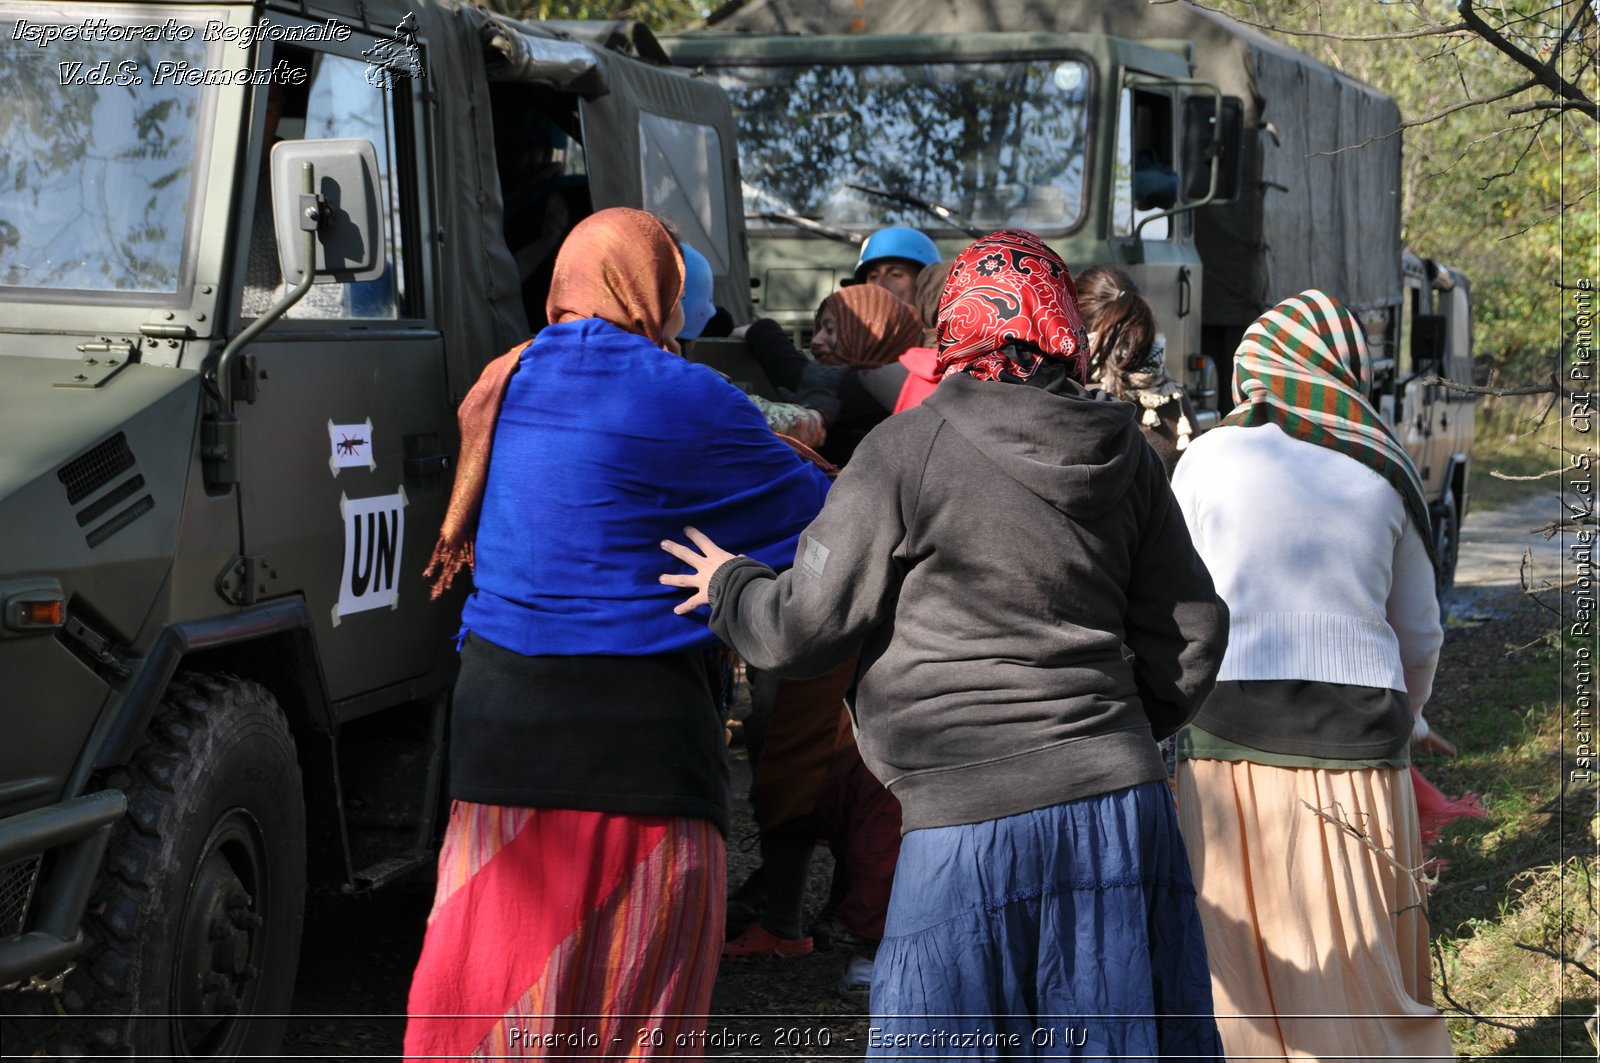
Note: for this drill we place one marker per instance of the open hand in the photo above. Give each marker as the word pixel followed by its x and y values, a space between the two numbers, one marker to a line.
pixel 1435 742
pixel 705 562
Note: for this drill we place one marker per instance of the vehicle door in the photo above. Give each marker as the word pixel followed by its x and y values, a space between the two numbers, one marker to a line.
pixel 343 403
pixel 1456 409
pixel 1144 165
pixel 1416 407
pixel 674 151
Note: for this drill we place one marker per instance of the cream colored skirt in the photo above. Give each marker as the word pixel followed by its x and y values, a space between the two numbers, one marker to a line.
pixel 1315 926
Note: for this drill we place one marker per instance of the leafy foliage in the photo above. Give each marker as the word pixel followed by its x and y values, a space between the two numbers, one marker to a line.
pixel 1503 188
pixel 659 14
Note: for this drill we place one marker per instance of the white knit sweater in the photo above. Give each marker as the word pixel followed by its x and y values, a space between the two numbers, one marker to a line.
pixel 1324 574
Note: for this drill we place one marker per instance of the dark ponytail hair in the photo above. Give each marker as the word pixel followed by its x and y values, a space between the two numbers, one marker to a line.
pixel 1122 325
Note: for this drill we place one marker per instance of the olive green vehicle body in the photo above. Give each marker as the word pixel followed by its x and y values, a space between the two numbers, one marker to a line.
pixel 180 541
pixel 1304 190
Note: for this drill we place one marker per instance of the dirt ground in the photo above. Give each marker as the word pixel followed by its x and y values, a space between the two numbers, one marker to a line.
pixel 358 952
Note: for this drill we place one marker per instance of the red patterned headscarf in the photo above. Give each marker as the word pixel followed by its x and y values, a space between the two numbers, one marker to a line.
pixel 873 326
pixel 1009 304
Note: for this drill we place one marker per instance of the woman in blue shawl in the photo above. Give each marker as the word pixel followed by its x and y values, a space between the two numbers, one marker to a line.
pixel 582 874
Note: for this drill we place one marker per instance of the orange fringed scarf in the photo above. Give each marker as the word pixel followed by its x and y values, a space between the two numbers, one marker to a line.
pixel 874 326
pixel 620 265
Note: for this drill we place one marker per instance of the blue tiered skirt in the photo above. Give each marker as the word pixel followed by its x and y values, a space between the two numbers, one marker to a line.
pixel 1069 932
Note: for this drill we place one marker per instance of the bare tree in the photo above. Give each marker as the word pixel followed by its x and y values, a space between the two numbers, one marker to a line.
pixel 1530 40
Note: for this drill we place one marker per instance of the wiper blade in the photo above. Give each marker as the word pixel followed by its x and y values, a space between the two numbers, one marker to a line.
pixel 820 228
pixel 944 214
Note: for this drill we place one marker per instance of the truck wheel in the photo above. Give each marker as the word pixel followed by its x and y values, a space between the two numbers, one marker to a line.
pixel 194 926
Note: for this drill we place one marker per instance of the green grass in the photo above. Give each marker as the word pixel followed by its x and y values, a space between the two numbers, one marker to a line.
pixel 1514 437
pixel 1514 884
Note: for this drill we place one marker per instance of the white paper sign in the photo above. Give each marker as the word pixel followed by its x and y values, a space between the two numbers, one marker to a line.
pixel 374 543
pixel 350 446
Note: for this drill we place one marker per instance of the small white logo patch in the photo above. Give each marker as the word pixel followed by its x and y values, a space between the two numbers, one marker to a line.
pixel 815 557
pixel 350 446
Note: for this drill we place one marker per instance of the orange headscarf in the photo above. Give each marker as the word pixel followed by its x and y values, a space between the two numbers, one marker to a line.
pixel 874 327
pixel 619 265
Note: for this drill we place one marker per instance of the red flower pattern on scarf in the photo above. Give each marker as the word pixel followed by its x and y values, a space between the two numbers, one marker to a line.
pixel 1009 302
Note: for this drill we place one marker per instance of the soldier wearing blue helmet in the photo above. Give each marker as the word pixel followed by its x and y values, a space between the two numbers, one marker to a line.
pixel 697 304
pixel 891 258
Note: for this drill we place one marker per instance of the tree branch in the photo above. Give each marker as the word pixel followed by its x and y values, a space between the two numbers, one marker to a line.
pixel 1480 140
pixel 1542 73
pixel 1498 475
pixel 1560 212
pixel 1554 955
pixel 1552 105
pixel 1561 43
pixel 1411 122
pixel 1464 104
pixel 1430 31
pixel 1335 814
pixel 1444 990
pixel 1538 128
pixel 1555 387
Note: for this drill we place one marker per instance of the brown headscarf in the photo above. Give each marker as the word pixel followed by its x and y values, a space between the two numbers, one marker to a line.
pixel 619 265
pixel 925 299
pixel 874 327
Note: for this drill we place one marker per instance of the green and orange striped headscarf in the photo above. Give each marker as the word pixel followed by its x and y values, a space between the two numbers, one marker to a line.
pixel 1303 367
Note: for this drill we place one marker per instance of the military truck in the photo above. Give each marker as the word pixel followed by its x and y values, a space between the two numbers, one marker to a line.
pixel 1280 174
pixel 251 258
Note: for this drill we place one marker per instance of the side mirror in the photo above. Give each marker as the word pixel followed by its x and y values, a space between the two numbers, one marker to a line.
pixel 1427 343
pixel 344 209
pixel 1204 139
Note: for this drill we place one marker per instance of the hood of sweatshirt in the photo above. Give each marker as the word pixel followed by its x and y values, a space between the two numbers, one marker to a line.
pixel 922 363
pixel 1078 451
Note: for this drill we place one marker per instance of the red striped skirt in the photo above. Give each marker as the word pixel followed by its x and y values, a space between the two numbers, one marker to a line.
pixel 556 932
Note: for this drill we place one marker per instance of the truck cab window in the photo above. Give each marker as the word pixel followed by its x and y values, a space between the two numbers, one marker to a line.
pixel 98 189
pixel 996 143
pixel 335 101
pixel 681 168
pixel 1146 182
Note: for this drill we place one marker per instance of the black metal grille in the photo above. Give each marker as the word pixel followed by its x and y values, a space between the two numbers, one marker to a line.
pixel 17 882
pixel 120 521
pixel 87 473
pixel 108 501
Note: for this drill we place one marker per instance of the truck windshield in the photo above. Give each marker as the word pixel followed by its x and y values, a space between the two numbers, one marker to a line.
pixel 996 143
pixel 99 138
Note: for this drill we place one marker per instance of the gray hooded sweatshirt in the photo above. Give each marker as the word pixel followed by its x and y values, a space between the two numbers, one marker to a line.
pixel 1030 610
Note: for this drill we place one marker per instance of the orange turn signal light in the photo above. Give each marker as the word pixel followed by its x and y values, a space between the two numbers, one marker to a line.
pixel 50 613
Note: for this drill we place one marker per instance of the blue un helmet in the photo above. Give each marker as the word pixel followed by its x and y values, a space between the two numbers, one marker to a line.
pixel 697 305
pixel 898 241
